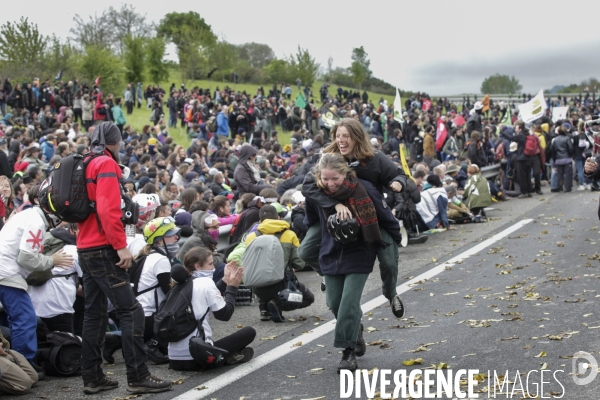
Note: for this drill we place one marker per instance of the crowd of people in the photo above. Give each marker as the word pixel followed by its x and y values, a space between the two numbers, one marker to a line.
pixel 332 199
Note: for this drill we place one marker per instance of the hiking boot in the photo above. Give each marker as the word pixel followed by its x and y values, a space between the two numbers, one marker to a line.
pixel 103 384
pixel 154 353
pixel 239 357
pixel 417 239
pixel 150 384
pixel 556 190
pixel 361 346
pixel 397 306
pixel 539 192
pixel 323 284
pixel 265 315
pixel 112 343
pixel 348 361
pixel 276 314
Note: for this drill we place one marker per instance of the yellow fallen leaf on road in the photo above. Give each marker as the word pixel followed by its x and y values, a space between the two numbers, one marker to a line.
pixel 371 329
pixel 297 344
pixel 178 381
pixel 433 259
pixel 240 326
pixel 316 398
pixel 542 354
pixel 201 387
pixel 290 376
pixel 544 366
pixel 316 369
pixel 412 361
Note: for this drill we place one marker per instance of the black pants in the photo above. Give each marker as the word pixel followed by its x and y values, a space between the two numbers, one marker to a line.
pixel 60 323
pixel 121 126
pixel 537 170
pixel 232 343
pixel 129 105
pixel 77 113
pixel 148 328
pixel 103 280
pixel 524 175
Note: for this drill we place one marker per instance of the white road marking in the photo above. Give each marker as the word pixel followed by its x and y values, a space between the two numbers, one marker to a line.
pixel 241 371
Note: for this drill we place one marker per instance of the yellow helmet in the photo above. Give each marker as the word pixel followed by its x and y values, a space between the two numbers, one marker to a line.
pixel 158 228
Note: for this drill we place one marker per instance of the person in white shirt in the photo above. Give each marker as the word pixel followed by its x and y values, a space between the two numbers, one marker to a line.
pixel 53 301
pixel 21 244
pixel 208 296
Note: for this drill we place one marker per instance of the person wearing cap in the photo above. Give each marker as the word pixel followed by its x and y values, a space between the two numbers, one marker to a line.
pixel 524 163
pixel 104 259
pixel 32 156
pixel 474 121
pixel 4 165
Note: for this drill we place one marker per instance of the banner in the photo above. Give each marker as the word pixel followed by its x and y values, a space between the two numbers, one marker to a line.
pixel 459 120
pixel 559 113
pixel 404 163
pixel 398 107
pixel 426 105
pixel 507 119
pixel 441 134
pixel 300 102
pixel 486 103
pixel 328 117
pixel 533 109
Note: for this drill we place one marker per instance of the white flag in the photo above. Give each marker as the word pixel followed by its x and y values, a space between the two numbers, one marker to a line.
pixel 398 107
pixel 559 113
pixel 533 109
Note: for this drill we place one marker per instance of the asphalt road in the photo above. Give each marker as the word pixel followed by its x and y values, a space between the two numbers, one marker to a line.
pixel 511 304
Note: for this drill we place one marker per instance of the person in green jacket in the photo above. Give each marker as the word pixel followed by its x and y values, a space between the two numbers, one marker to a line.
pixel 118 115
pixel 477 194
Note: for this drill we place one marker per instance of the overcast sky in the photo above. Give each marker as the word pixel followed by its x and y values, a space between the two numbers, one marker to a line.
pixel 443 48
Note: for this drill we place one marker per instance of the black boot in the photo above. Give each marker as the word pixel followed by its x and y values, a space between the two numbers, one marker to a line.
pixel 154 353
pixel 348 361
pixel 361 346
pixel 112 343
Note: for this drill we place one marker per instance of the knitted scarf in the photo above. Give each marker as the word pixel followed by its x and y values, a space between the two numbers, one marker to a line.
pixel 354 196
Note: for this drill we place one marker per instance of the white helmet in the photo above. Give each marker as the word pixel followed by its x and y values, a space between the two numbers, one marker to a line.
pixel 147 203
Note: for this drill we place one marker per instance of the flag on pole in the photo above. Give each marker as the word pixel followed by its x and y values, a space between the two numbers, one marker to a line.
pixel 328 117
pixel 507 119
pixel 398 107
pixel 441 133
pixel 533 109
pixel 459 120
pixel 404 163
pixel 97 81
pixel 58 76
pixel 300 102
pixel 426 105
pixel 486 103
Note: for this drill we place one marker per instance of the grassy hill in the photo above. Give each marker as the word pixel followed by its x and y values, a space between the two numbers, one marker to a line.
pixel 141 117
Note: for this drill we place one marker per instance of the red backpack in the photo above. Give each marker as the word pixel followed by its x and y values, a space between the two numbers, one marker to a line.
pixel 531 145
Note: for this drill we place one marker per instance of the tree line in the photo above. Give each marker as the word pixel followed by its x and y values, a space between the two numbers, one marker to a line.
pixel 122 45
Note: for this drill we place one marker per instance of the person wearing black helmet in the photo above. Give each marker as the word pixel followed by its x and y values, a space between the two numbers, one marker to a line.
pixel 349 246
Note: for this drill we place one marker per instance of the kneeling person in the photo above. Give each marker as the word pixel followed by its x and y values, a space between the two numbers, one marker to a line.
pixel 271 304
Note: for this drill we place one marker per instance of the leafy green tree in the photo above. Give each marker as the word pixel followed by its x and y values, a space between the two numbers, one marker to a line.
pixel 97 61
pixel 278 71
pixel 191 36
pixel 155 55
pixel 360 68
pixel 222 57
pixel 258 55
pixel 303 65
pixel 134 56
pixel 60 56
pixel 126 22
pixel 96 31
pixel 501 84
pixel 22 48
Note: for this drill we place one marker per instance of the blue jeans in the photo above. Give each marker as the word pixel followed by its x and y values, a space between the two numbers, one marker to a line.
pixel 172 120
pixel 22 320
pixel 2 106
pixel 102 279
pixel 579 161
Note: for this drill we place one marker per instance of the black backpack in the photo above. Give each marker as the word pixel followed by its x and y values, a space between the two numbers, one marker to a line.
pixel 60 354
pixel 67 195
pixel 175 319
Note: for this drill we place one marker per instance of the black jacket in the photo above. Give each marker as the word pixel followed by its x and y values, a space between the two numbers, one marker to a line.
pixel 298 225
pixel 474 123
pixel 408 198
pixel 476 154
pixel 520 138
pixel 380 171
pixel 336 258
pixel 4 165
pixel 562 147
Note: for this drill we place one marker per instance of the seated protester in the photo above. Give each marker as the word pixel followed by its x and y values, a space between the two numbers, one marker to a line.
pixel 161 236
pixel 405 208
pixel 269 303
pixel 218 299
pixel 477 194
pixel 457 210
pixel 298 213
pixel 218 186
pixel 433 206
pixel 246 174
pixel 347 259
pixel 53 300
pixel 458 175
pixel 16 374
pixel 250 216
pixel 221 207
pixel 148 205
pixel 206 235
pixel 182 215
